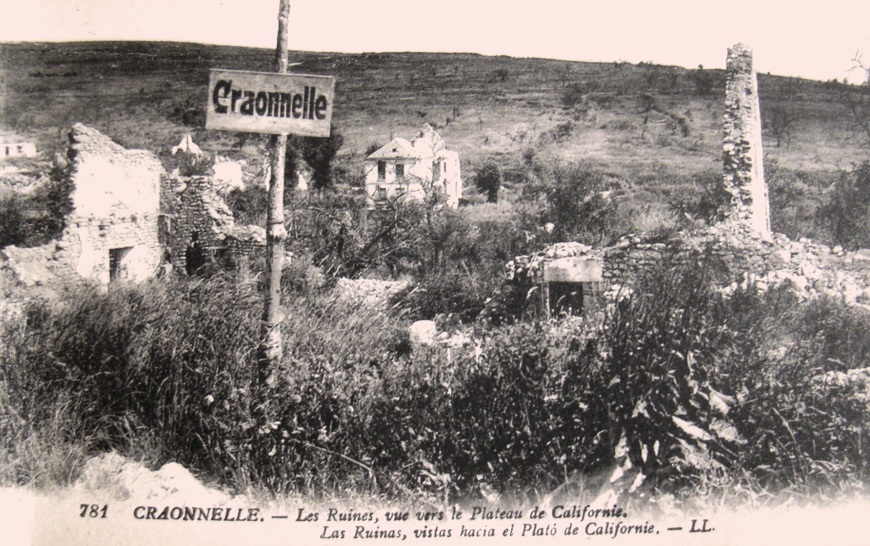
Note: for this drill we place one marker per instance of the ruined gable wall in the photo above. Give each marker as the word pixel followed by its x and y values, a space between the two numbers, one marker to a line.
pixel 115 205
pixel 111 180
pixel 116 202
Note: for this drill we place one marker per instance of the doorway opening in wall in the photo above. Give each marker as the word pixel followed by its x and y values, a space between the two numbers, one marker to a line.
pixel 565 298
pixel 116 262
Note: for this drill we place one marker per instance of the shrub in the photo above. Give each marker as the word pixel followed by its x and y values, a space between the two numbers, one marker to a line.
pixel 488 181
pixel 40 217
pixel 707 203
pixel 450 292
pixel 571 198
pixel 685 383
pixel 318 153
pixel 249 205
pixel 12 224
pixel 846 211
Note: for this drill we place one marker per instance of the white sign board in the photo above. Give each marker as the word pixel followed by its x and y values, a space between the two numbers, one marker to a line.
pixel 271 103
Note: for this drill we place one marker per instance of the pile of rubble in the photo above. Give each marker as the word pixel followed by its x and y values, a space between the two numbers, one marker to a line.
pixel 368 292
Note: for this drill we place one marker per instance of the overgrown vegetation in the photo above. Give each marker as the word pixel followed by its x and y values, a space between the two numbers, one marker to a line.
pixel 40 216
pixel 694 388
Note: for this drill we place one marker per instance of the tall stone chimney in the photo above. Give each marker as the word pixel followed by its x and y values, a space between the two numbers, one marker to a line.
pixel 744 168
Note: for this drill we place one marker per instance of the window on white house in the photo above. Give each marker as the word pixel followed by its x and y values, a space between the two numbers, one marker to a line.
pixel 382 170
pixel 400 171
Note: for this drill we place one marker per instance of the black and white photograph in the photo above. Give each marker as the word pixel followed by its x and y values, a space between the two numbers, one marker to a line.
pixel 296 272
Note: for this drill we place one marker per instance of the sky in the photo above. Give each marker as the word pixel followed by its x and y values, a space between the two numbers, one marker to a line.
pixel 815 40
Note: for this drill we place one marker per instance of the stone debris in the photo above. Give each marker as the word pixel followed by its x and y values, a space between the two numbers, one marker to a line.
pixel 746 258
pixel 423 333
pixel 368 292
pixel 857 381
pixel 121 479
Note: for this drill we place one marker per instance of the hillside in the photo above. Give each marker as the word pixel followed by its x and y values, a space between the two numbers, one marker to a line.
pixel 634 118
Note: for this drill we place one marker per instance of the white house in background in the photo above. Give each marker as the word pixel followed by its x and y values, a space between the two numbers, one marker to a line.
pixel 13 146
pixel 410 169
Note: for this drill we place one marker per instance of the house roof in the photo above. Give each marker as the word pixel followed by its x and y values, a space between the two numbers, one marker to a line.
pixel 426 144
pixel 396 148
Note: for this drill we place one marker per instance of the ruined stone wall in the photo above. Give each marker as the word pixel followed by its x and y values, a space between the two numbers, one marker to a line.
pixel 731 250
pixel 196 207
pixel 97 237
pixel 742 144
pixel 735 253
pixel 115 201
pixel 116 198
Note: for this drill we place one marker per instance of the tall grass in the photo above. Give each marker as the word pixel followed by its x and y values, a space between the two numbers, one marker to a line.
pixel 162 372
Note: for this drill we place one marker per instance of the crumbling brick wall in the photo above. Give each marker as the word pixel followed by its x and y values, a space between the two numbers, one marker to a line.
pixel 198 215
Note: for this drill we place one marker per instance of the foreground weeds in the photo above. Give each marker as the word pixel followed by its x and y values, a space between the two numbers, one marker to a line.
pixel 737 397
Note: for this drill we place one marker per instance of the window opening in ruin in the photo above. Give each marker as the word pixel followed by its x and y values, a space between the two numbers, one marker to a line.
pixel 400 171
pixel 382 170
pixel 566 298
pixel 116 262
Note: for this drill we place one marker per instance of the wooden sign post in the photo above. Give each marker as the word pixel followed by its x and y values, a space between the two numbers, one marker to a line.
pixel 278 104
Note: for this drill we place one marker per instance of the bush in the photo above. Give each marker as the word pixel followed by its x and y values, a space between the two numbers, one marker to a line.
pixel 454 292
pixel 708 203
pixel 12 223
pixel 249 205
pixel 318 153
pixel 40 217
pixel 572 199
pixel 846 212
pixel 488 181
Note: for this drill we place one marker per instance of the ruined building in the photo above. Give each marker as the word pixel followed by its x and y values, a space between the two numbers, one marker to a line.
pixel 112 230
pixel 130 220
pixel 574 278
pixel 199 227
pixel 411 169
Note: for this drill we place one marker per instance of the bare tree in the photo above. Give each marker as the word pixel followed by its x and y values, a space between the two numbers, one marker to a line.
pixel 857 99
pixel 781 121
